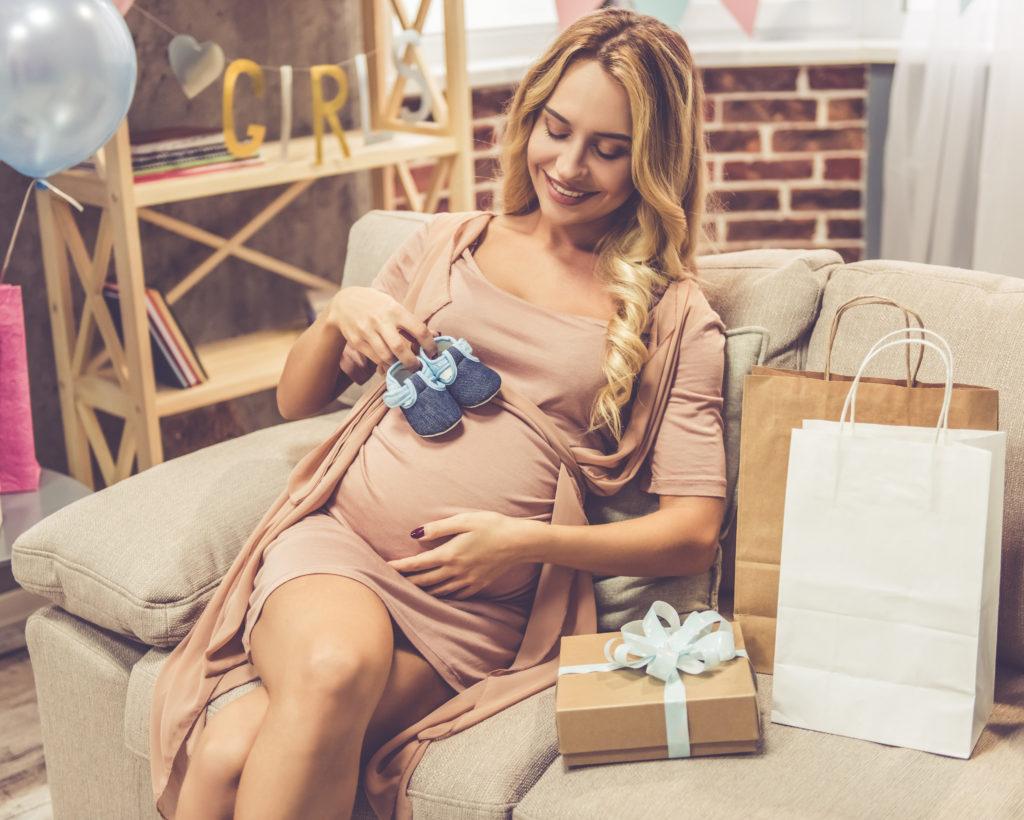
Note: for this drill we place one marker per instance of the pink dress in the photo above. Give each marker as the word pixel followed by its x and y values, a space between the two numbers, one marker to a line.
pixel 492 461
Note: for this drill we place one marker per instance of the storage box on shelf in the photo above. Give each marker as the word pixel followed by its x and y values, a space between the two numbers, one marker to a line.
pixel 118 378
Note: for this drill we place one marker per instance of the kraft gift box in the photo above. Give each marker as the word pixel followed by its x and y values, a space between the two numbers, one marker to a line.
pixel 619 715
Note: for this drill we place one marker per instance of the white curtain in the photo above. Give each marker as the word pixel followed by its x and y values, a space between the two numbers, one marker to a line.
pixel 953 189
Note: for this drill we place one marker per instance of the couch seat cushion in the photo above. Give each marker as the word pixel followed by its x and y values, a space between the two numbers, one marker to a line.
pixel 804 774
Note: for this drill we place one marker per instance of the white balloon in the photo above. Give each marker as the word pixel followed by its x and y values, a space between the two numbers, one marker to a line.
pixel 67 76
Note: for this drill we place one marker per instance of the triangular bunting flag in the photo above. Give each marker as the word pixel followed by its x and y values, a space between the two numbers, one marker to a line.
pixel 745 11
pixel 569 11
pixel 669 12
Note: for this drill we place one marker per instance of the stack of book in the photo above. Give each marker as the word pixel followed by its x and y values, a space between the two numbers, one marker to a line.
pixel 180 151
pixel 175 362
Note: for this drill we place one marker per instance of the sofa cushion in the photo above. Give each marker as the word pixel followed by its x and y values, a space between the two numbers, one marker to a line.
pixel 779 290
pixel 622 598
pixel 144 556
pixel 804 774
pixel 981 316
pixel 481 772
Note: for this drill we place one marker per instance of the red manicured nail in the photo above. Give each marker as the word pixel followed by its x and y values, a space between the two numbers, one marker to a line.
pixel 417 533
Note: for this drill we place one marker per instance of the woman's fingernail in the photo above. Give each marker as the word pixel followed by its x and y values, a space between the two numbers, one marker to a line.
pixel 417 533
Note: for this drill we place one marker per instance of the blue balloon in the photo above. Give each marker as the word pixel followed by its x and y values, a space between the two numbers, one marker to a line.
pixel 67 76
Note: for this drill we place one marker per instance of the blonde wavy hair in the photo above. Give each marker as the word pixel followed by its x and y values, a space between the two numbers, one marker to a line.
pixel 657 230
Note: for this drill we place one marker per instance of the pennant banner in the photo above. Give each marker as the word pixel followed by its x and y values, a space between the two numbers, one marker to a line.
pixel 669 12
pixel 569 11
pixel 745 12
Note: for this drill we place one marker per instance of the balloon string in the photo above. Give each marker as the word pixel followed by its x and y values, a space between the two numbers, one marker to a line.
pixel 21 216
pixel 17 226
pixel 154 19
pixel 61 194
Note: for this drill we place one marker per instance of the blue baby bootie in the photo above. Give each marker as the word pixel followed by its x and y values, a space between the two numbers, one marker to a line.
pixel 469 380
pixel 424 400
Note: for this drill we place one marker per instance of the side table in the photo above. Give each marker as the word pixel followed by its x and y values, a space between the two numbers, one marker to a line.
pixel 21 511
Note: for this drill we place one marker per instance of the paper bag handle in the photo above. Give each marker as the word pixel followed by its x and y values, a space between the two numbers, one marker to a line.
pixel 947 358
pixel 920 330
pixel 858 301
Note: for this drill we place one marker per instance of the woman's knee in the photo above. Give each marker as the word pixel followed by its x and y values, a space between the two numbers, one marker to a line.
pixel 323 642
pixel 337 675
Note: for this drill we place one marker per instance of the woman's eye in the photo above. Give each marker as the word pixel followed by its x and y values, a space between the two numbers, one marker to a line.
pixel 597 151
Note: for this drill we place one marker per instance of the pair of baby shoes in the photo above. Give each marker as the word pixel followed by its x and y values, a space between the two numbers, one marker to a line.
pixel 432 397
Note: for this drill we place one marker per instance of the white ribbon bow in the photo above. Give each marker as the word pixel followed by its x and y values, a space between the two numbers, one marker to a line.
pixel 691 648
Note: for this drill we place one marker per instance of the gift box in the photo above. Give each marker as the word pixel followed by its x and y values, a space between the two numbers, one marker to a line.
pixel 678 691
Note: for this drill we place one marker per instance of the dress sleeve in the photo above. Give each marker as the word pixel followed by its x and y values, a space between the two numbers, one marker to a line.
pixel 393 279
pixel 688 453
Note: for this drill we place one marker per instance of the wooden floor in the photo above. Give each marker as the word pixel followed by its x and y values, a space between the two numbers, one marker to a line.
pixel 23 791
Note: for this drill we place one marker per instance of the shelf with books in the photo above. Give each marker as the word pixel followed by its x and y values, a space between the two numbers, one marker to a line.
pixel 181 150
pixel 237 366
pixel 175 363
pixel 271 169
pixel 122 378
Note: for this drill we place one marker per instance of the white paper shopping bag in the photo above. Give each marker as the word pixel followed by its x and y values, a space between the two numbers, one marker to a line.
pixel 889 579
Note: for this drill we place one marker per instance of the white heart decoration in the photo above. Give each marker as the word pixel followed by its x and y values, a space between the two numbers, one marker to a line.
pixel 196 66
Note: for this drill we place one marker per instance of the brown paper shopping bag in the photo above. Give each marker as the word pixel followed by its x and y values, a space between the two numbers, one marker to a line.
pixel 777 401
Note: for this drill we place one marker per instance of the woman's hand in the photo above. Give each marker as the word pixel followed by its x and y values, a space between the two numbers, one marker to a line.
pixel 485 545
pixel 379 327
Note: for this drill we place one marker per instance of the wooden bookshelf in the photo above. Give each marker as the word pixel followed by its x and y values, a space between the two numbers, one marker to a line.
pixel 89 189
pixel 96 371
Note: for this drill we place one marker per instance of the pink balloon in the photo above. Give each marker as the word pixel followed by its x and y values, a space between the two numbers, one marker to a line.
pixel 123 5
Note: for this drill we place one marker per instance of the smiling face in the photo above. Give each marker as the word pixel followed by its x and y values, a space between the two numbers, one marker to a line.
pixel 578 154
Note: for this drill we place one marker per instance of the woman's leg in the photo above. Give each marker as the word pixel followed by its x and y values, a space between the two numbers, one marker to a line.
pixel 414 689
pixel 211 780
pixel 323 646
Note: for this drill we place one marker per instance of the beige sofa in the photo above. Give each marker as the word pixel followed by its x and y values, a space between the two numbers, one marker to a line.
pixel 129 569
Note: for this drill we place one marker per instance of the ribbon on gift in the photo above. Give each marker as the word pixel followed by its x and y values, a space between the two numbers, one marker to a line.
pixel 691 647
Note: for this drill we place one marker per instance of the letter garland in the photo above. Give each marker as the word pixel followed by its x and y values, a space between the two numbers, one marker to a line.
pixel 197 65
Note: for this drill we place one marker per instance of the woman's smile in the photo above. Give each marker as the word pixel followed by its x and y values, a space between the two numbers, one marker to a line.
pixel 564 195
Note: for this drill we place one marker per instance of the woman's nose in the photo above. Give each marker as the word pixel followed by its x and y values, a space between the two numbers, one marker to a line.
pixel 570 164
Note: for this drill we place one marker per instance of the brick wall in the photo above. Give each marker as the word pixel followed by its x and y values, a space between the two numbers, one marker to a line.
pixel 787 160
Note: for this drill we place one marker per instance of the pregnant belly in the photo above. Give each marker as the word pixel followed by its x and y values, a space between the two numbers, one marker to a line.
pixel 400 480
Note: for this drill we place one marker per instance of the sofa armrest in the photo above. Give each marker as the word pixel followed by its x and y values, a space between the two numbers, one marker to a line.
pixel 144 556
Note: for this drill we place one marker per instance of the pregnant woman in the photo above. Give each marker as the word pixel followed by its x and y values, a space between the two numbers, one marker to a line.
pixel 403 588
